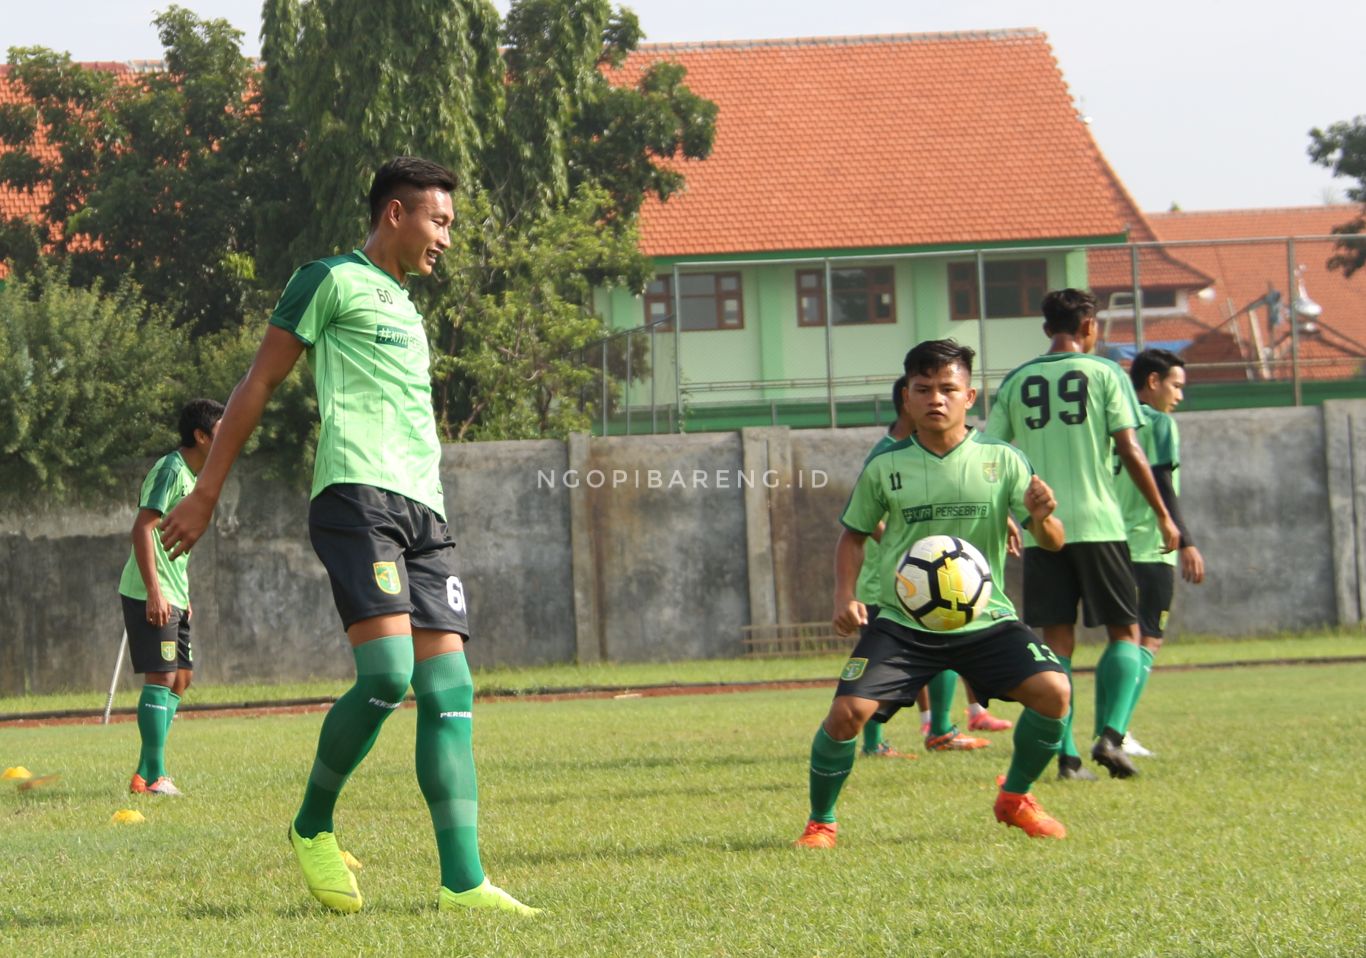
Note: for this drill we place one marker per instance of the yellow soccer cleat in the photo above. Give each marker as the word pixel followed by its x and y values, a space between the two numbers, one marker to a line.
pixel 325 871
pixel 486 895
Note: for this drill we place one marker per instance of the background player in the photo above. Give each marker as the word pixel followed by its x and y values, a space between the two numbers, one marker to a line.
pixel 945 464
pixel 1159 378
pixel 155 593
pixel 377 523
pixel 1064 409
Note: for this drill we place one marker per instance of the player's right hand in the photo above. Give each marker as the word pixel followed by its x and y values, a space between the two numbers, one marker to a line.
pixel 1171 536
pixel 850 617
pixel 158 610
pixel 1192 565
pixel 183 525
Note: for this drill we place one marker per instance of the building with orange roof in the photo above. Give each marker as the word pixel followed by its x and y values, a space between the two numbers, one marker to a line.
pixel 882 167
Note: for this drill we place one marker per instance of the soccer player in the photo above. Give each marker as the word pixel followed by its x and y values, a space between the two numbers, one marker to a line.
pixel 377 522
pixel 948 479
pixel 1064 409
pixel 1159 378
pixel 155 593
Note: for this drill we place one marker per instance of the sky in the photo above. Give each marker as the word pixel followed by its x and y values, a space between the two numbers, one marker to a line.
pixel 1205 104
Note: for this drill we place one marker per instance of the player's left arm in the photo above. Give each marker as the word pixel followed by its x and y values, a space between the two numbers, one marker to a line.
pixel 850 614
pixel 1136 464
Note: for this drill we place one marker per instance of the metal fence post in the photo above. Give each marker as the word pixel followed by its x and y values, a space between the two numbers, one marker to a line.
pixel 829 345
pixel 626 387
pixel 678 348
pixel 604 387
pixel 1292 292
pixel 654 427
pixel 982 329
pixel 1138 298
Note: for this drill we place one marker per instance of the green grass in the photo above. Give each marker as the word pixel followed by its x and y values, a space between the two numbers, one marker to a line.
pixel 1188 651
pixel 662 826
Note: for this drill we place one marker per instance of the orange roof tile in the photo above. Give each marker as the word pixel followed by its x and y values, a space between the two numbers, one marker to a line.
pixel 883 141
pixel 1244 272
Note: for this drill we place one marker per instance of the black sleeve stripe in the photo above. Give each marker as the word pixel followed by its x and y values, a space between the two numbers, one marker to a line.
pixel 160 492
pixel 303 286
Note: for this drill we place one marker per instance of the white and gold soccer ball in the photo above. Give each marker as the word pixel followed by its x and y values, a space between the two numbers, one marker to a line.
pixel 943 582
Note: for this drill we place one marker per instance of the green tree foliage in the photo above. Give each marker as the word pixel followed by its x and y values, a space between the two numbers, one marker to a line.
pixel 89 379
pixel 1342 149
pixel 150 179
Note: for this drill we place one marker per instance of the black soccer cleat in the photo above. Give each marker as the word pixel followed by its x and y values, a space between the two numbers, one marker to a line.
pixel 1071 769
pixel 1109 751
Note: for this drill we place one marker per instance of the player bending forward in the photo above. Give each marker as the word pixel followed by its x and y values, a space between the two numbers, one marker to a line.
pixel 377 522
pixel 948 479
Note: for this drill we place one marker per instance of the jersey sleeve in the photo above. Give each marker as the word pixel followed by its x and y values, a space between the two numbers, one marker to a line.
pixel 308 303
pixel 998 420
pixel 867 503
pixel 1121 402
pixel 1164 442
pixel 159 488
pixel 1018 473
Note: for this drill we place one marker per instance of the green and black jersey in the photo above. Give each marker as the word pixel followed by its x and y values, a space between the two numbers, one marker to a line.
pixel 967 493
pixel 868 587
pixel 169 481
pixel 1162 445
pixel 368 352
pixel 1061 409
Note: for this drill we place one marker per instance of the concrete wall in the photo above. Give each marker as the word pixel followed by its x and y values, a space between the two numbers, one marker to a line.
pixel 664 547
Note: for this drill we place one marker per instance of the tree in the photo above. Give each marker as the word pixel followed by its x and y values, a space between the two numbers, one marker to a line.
pixel 149 175
pixel 1342 149
pixel 89 379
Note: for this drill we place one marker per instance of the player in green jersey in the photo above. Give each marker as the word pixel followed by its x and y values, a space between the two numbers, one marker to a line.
pixel 1064 409
pixel 377 522
pixel 1159 378
pixel 154 591
pixel 948 479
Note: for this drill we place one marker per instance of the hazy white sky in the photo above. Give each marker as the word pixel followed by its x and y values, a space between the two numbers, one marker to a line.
pixel 1205 103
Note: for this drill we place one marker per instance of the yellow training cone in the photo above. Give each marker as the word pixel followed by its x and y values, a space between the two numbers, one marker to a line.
pixel 127 816
pixel 17 772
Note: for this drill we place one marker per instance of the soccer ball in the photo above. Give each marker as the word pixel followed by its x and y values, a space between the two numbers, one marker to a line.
pixel 943 582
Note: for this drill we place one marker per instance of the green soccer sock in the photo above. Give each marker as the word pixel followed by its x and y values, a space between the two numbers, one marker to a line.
pixel 1069 747
pixel 152 727
pixel 1145 661
pixel 1117 674
pixel 445 765
pixel 172 703
pixel 831 762
pixel 941 702
pixel 384 666
pixel 873 736
pixel 1037 740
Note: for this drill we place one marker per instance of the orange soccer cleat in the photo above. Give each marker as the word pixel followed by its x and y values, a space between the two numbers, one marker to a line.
pixel 1025 812
pixel 818 835
pixel 138 786
pixel 984 721
pixel 951 741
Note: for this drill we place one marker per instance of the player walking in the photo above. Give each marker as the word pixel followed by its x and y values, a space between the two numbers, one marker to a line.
pixel 948 479
pixel 1064 409
pixel 155 593
pixel 377 523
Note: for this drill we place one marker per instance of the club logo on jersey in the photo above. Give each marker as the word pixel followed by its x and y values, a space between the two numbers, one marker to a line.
pixel 853 669
pixel 386 577
pixel 168 651
pixel 393 336
pixel 991 471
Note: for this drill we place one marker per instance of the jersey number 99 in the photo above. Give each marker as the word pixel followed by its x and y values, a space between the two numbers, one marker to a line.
pixel 1035 394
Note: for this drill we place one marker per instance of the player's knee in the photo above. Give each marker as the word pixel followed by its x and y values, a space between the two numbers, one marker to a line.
pixel 1054 696
pixel 1152 643
pixel 844 721
pixel 388 687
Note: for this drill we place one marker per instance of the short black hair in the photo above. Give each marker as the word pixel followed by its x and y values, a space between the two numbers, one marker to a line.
pixel 898 393
pixel 1064 309
pixel 198 414
pixel 403 175
pixel 1151 361
pixel 924 358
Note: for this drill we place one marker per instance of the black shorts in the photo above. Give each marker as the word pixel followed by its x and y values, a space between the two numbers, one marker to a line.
pixel 156 650
pixel 892 663
pixel 1097 574
pixel 386 554
pixel 1156 585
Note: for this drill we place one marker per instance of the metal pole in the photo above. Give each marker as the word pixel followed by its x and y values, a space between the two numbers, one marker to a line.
pixel 626 387
pixel 982 330
pixel 654 356
pixel 1291 294
pixel 118 665
pixel 678 348
pixel 604 387
pixel 829 345
pixel 1138 298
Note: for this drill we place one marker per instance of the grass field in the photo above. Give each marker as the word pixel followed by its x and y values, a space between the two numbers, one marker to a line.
pixel 662 826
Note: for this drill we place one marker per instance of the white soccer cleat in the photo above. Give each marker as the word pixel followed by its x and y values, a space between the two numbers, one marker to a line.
pixel 164 786
pixel 1133 747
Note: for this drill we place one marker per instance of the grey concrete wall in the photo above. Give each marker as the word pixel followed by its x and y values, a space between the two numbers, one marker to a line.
pixel 664 547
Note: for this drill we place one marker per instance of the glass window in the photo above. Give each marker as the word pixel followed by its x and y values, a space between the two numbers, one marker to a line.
pixel 858 295
pixel 1013 288
pixel 707 301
